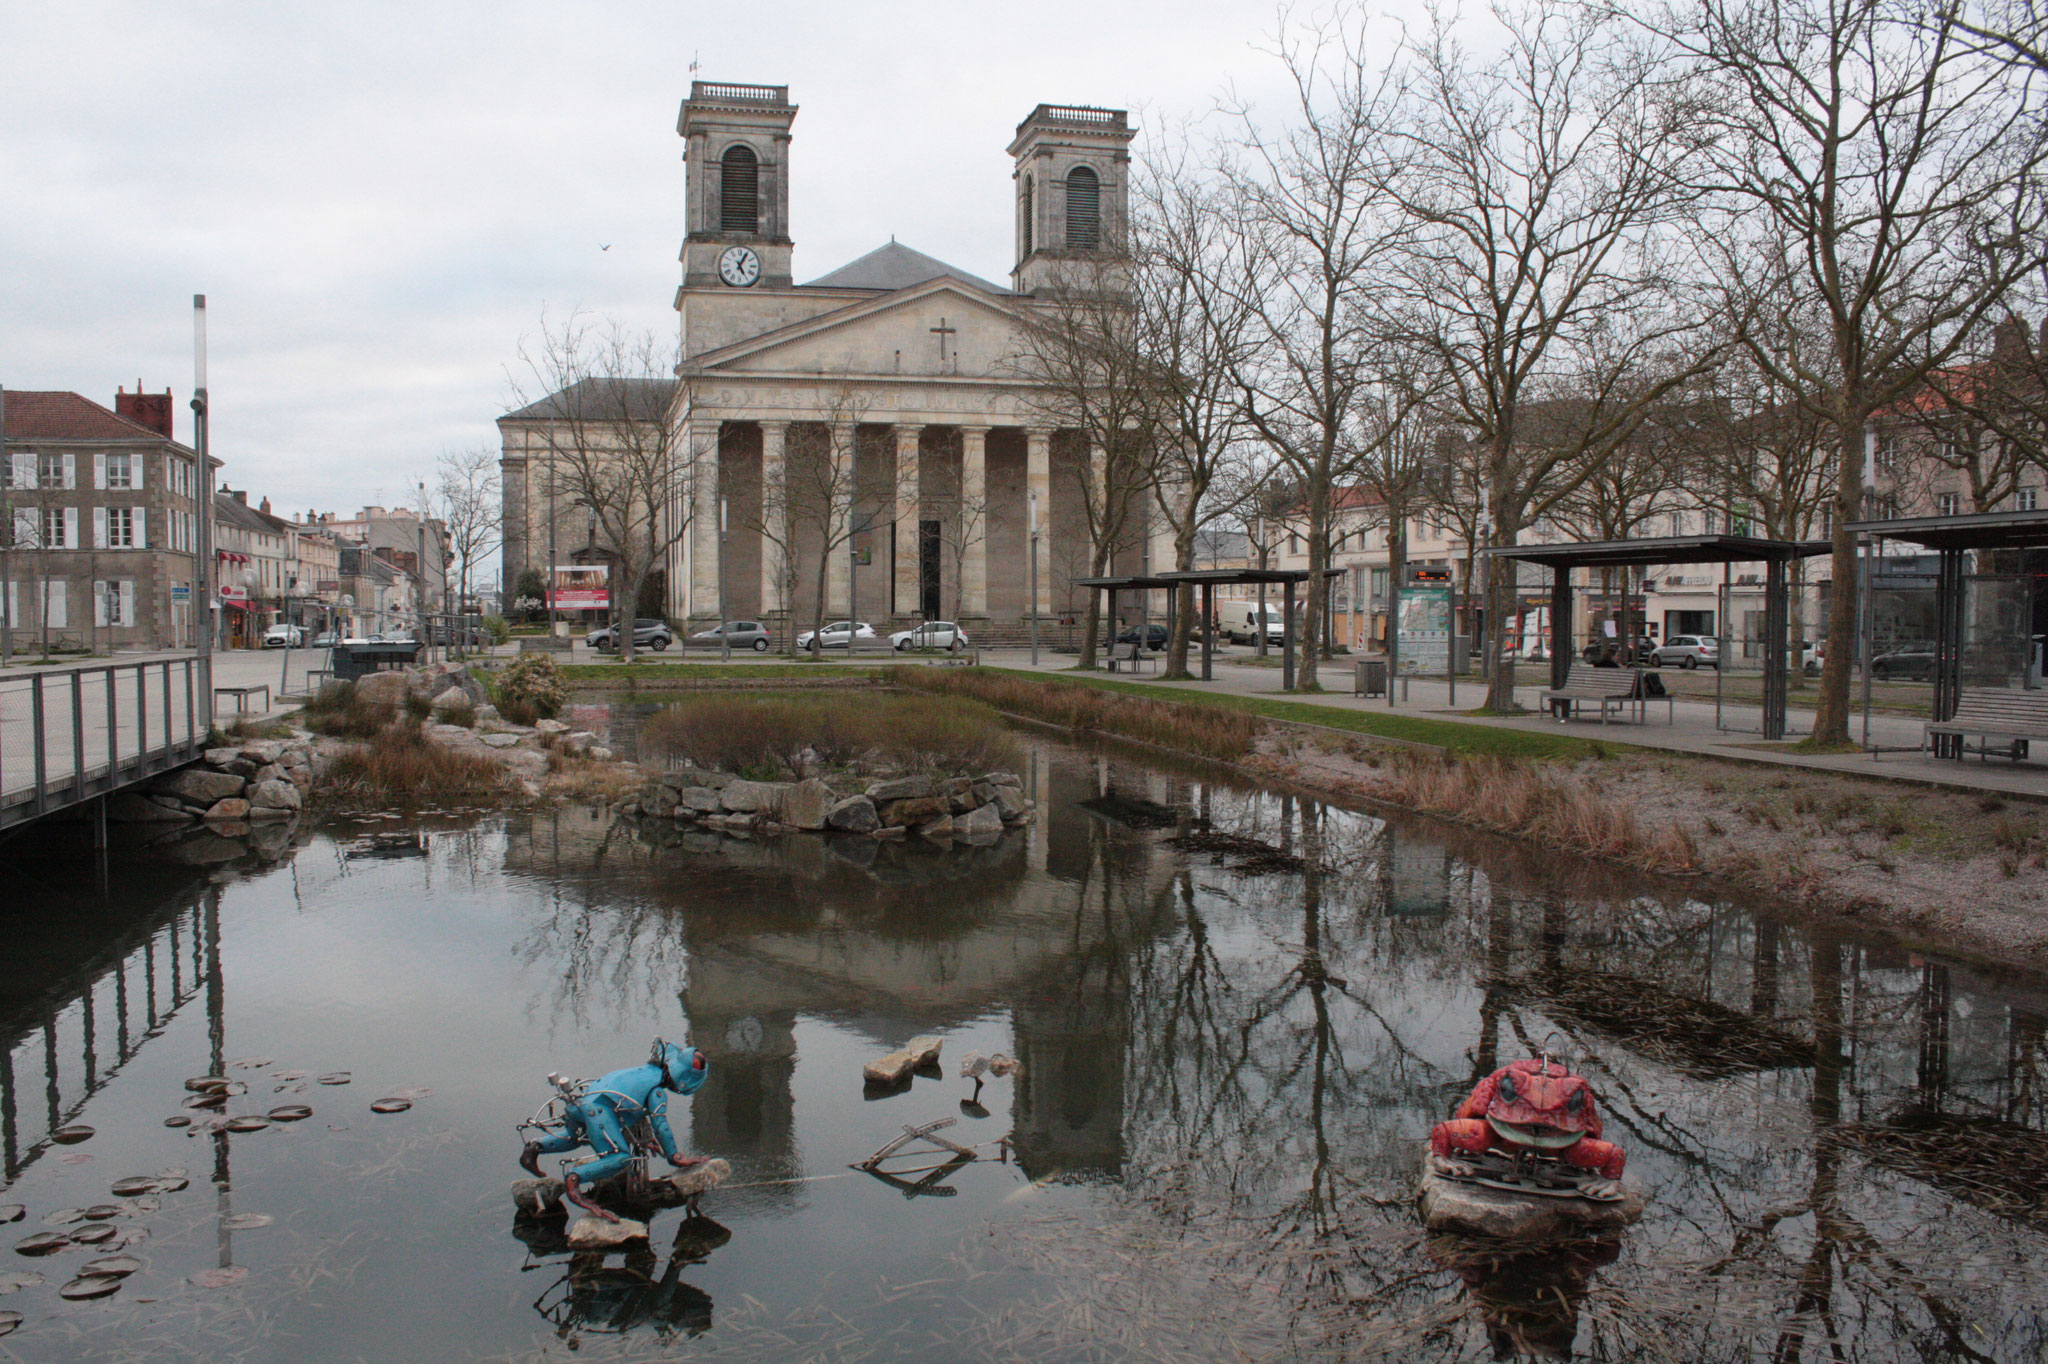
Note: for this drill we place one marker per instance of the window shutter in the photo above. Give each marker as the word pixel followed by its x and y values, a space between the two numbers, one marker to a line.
pixel 99 529
pixel 54 612
pixel 22 467
pixel 739 190
pixel 99 604
pixel 141 539
pixel 70 514
pixel 127 607
pixel 99 469
pixel 136 464
pixel 70 470
pixel 25 536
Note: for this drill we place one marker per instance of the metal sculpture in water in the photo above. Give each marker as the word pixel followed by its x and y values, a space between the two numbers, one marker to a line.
pixel 621 1116
pixel 1531 1111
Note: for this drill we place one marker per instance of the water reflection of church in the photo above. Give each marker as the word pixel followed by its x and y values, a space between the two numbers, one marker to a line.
pixel 909 941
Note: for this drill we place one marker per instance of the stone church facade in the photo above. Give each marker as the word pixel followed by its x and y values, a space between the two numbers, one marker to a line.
pixel 873 422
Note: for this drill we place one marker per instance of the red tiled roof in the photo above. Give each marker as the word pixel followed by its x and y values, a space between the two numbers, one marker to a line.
pixel 40 415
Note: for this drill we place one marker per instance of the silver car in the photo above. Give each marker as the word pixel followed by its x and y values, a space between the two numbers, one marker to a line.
pixel 740 634
pixel 1688 651
pixel 931 634
pixel 837 634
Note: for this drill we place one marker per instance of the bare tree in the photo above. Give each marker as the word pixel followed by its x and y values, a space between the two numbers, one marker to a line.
pixel 1985 418
pixel 1892 166
pixel 467 501
pixel 612 445
pixel 1540 183
pixel 1404 469
pixel 811 516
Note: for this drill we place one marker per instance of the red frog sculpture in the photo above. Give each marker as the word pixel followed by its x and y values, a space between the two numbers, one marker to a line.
pixel 1528 1108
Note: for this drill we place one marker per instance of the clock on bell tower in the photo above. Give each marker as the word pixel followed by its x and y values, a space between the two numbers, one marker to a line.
pixel 736 150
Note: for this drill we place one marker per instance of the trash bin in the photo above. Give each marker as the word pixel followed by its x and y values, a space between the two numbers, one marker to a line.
pixel 355 661
pixel 1371 679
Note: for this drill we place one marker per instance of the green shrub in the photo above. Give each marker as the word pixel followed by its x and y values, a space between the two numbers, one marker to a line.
pixel 764 735
pixel 498 628
pixel 532 684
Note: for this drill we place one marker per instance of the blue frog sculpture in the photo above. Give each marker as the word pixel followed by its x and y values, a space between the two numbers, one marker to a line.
pixel 621 1116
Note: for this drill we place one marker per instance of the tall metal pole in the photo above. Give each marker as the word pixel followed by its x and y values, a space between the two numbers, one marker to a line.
pixel 724 639
pixel 6 544
pixel 202 575
pixel 1031 506
pixel 547 590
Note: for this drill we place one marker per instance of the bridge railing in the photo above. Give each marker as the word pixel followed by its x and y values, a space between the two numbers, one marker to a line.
pixel 72 733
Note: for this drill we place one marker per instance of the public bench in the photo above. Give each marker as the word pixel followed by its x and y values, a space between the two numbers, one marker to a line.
pixel 2003 716
pixel 1614 689
pixel 242 695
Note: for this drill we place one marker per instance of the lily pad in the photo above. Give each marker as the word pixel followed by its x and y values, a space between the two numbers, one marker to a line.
pixel 250 1063
pixel 246 1221
pixel 9 1321
pixel 90 1286
pixel 339 1077
pixel 390 1105
pixel 63 1217
pixel 72 1135
pixel 110 1266
pixel 12 1212
pixel 14 1283
pixel 286 1076
pixel 199 1084
pixel 94 1233
pixel 42 1243
pixel 247 1122
pixel 100 1212
pixel 133 1236
pixel 212 1098
pixel 290 1113
pixel 133 1185
pixel 177 1120
pixel 220 1278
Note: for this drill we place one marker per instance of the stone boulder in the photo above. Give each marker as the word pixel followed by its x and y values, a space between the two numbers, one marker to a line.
pixel 594 1233
pixel 267 772
pixel 699 800
pixel 854 815
pixel 234 807
pixel 386 688
pixel 900 788
pixel 942 827
pixel 748 797
pixel 959 794
pixel 1449 1205
pixel 455 698
pixel 263 751
pixel 1009 803
pixel 132 808
pixel 983 821
pixel 804 805
pixel 277 795
pixel 200 786
pixel 901 814
pixel 549 727
pixel 897 1066
pixel 697 776
pixel 222 758
pixel 1003 779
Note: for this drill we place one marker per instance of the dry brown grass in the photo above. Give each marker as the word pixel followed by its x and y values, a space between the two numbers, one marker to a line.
pixel 399 765
pixel 1202 731
pixel 767 733
pixel 575 778
pixel 1549 805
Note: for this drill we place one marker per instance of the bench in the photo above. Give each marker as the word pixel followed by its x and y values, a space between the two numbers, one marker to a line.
pixel 242 695
pixel 2002 715
pixel 1608 688
pixel 1133 662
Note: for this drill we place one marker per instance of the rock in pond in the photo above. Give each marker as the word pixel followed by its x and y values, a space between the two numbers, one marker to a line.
pixel 594 1233
pixel 898 1065
pixel 854 815
pixel 1450 1205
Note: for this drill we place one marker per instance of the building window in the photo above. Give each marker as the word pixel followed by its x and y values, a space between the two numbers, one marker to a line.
pixel 739 191
pixel 121 527
pixel 55 614
pixel 1027 215
pixel 2026 499
pixel 113 602
pixel 120 471
pixel 1948 504
pixel 1084 210
pixel 55 471
pixel 55 521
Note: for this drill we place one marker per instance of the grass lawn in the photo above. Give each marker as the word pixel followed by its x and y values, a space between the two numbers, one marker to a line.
pixel 1506 743
pixel 654 676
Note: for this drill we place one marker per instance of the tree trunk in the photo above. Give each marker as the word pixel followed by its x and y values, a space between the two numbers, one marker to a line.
pixel 1397 567
pixel 624 638
pixel 1309 644
pixel 1831 707
pixel 1183 600
pixel 1091 616
pixel 1500 691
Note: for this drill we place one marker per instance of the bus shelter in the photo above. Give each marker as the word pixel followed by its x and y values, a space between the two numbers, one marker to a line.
pixel 1130 582
pixel 1208 580
pixel 1990 619
pixel 1634 556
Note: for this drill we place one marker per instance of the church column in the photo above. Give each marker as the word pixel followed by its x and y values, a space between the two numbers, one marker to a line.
pixel 974 520
pixel 837 570
pixel 1038 487
pixel 907 599
pixel 774 516
pixel 702 475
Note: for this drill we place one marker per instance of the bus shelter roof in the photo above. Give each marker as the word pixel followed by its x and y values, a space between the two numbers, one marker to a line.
pixel 1248 576
pixel 1970 530
pixel 1129 582
pixel 1669 549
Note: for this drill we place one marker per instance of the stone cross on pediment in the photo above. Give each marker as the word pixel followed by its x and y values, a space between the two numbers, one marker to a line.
pixel 942 331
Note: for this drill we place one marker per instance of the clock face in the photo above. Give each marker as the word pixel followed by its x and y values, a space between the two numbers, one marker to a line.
pixel 739 267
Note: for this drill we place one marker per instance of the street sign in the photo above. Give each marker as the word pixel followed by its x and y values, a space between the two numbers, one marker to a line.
pixel 181 592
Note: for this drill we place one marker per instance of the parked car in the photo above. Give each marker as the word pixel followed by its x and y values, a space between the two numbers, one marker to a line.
pixel 1912 659
pixel 283 636
pixel 326 639
pixel 1688 652
pixel 837 634
pixel 741 634
pixel 647 634
pixel 931 634
pixel 1612 653
pixel 1156 636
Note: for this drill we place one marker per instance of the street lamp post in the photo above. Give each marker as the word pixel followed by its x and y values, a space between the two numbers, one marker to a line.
pixel 724 639
pixel 1031 506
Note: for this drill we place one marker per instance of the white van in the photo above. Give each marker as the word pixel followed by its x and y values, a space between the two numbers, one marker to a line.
pixel 1237 621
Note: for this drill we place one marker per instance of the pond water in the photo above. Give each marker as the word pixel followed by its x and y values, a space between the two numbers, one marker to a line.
pixel 1238 1014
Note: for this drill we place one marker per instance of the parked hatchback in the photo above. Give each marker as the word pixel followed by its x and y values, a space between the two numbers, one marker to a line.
pixel 837 634
pixel 931 634
pixel 1915 659
pixel 1155 636
pixel 1688 651
pixel 740 634
pixel 647 634
pixel 284 637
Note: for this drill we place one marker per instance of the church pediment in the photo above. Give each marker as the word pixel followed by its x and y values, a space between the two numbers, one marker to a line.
pixel 940 328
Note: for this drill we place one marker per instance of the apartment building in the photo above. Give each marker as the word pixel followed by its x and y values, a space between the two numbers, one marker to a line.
pixel 101 524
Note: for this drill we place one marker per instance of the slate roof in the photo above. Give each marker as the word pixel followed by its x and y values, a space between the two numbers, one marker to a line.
pixel 42 414
pixel 227 507
pixel 602 399
pixel 896 266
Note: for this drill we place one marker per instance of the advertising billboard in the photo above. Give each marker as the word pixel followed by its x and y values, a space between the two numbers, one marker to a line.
pixel 1425 629
pixel 580 587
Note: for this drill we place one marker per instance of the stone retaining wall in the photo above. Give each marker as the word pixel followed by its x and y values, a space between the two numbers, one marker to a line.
pixel 237 783
pixel 972 810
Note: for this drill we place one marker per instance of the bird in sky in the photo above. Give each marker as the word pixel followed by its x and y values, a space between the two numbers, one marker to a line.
pixel 604 246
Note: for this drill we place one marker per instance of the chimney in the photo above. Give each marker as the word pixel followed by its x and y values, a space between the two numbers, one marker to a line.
pixel 152 410
pixel 240 495
pixel 265 506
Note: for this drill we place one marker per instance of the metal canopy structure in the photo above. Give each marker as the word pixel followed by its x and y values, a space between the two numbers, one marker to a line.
pixel 1951 537
pixel 1208 580
pixel 1676 549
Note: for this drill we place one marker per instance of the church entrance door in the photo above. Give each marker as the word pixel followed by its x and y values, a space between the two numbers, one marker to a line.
pixel 928 569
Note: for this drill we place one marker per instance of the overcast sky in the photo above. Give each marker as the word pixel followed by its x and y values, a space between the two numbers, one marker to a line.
pixel 380 199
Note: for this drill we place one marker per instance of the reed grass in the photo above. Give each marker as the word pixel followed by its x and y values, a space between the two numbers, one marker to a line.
pixel 339 711
pixel 770 733
pixel 1206 731
pixel 399 764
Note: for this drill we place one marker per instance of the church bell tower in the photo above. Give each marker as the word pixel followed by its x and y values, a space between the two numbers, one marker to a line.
pixel 736 149
pixel 1072 176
